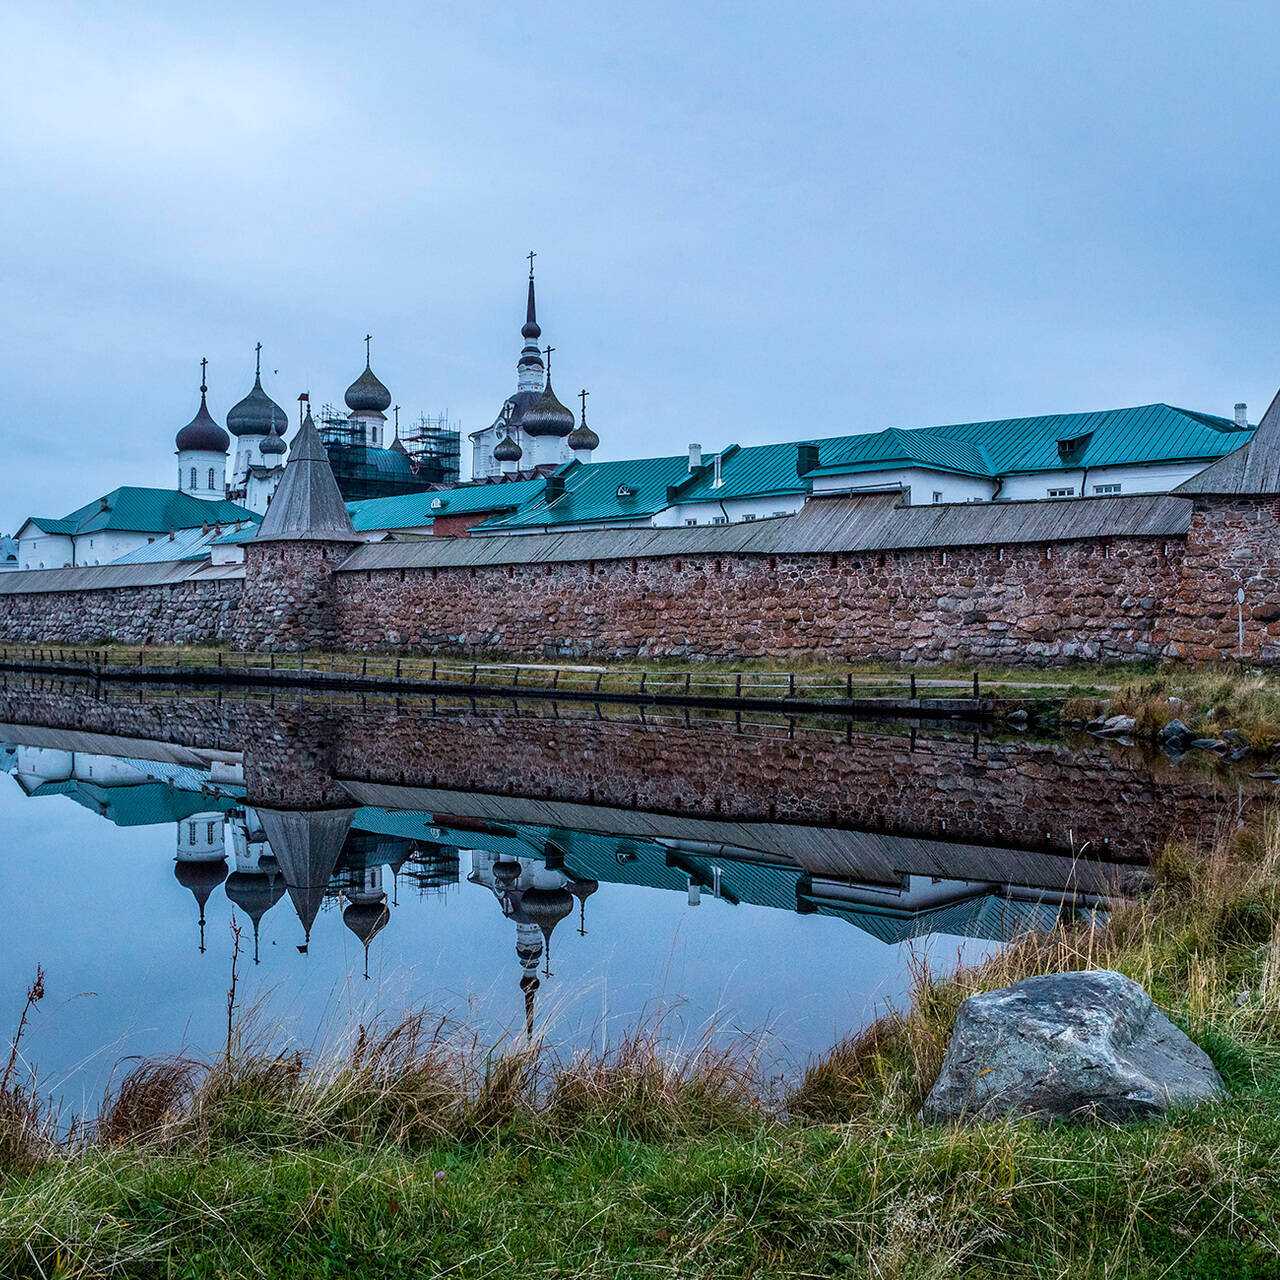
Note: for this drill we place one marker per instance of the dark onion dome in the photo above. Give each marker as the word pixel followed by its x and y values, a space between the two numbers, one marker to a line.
pixel 367 392
pixel 548 417
pixel 202 434
pixel 508 451
pixel 365 919
pixel 582 437
pixel 506 871
pixel 273 443
pixel 256 414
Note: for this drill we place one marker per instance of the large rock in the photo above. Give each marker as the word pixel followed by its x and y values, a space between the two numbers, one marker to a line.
pixel 1081 1046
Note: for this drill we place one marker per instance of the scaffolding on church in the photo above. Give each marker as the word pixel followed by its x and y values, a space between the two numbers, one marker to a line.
pixel 432 452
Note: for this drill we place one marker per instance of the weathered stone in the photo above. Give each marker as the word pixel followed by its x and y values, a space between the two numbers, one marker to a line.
pixel 1175 734
pixel 1070 1046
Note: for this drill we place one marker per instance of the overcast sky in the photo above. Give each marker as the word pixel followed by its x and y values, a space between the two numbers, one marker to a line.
pixel 754 221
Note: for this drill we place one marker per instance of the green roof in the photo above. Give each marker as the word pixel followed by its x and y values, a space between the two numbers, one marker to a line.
pixel 592 494
pixel 1110 437
pixel 412 510
pixel 136 510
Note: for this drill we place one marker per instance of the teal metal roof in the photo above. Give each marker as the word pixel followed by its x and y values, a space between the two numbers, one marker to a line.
pixel 754 471
pixel 1111 437
pixel 8 549
pixel 139 804
pixel 137 510
pixel 591 494
pixel 413 510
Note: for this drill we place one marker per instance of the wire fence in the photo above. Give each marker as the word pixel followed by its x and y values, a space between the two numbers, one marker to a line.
pixel 661 683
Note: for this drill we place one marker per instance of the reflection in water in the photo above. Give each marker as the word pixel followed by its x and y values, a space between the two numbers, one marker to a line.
pixel 702 852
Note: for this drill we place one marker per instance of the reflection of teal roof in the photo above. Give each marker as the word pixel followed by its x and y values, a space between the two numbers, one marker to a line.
pixel 591 494
pixel 137 510
pixel 986 916
pixel 138 804
pixel 1111 437
pixel 412 510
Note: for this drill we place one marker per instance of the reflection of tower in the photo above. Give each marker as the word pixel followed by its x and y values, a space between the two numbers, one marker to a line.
pixel 534 898
pixel 307 847
pixel 367 914
pixel 201 864
pixel 256 885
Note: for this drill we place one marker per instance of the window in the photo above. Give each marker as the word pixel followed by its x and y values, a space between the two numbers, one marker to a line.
pixel 750 515
pixel 690 522
pixel 782 513
pixel 210 834
pixel 1106 488
pixel 211 478
pixel 191 833
pixel 1062 493
pixel 193 477
pixel 937 495
pixel 719 519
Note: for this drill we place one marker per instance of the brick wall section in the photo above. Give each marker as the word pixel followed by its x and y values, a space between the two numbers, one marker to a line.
pixel 289 595
pixel 176 613
pixel 1096 599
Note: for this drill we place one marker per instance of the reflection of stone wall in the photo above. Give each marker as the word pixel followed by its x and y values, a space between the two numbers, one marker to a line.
pixel 175 613
pixel 1012 794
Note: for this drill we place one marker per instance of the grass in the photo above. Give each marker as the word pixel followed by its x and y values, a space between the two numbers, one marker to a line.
pixel 419 1151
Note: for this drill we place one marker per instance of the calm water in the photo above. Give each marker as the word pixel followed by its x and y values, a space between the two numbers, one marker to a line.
pixel 576 867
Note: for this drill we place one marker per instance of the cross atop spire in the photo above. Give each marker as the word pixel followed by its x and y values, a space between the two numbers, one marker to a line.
pixel 368 338
pixel 546 351
pixel 582 395
pixel 204 366
pixel 531 255
pixel 257 369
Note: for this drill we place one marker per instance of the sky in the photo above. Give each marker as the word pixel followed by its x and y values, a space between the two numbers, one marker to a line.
pixel 754 221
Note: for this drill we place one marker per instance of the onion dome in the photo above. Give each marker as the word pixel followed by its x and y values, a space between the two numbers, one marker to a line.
pixel 202 433
pixel 367 392
pixel 257 413
pixel 548 417
pixel 507 450
pixel 202 876
pixel 582 437
pixel 273 444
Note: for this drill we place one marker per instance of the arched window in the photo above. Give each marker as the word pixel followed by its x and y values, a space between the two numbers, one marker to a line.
pixel 211 478
pixel 193 477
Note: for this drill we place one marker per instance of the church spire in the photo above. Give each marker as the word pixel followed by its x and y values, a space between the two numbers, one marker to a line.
pixel 529 375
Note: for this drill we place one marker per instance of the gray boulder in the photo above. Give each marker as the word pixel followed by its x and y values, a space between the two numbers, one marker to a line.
pixel 1175 734
pixel 1117 726
pixel 1069 1046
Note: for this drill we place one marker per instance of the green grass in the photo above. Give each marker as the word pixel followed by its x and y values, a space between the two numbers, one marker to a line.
pixel 417 1152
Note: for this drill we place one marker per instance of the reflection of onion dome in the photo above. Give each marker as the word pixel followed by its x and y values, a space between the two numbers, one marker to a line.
pixel 508 451
pixel 546 907
pixel 202 433
pixel 255 893
pixel 272 444
pixel 366 919
pixel 367 392
pixel 547 416
pixel 256 414
pixel 506 871
pixel 582 890
pixel 202 876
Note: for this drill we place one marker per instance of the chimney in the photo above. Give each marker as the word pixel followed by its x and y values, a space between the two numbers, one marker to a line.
pixel 554 488
pixel 695 457
pixel 1242 415
pixel 806 458
pixel 717 480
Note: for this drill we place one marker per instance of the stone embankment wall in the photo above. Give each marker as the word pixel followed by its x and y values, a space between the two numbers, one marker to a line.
pixel 1098 598
pixel 170 614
